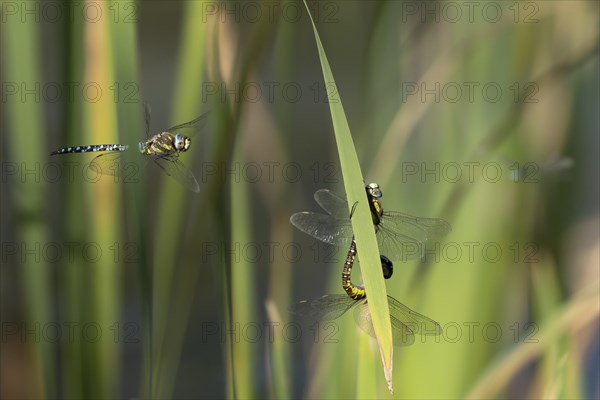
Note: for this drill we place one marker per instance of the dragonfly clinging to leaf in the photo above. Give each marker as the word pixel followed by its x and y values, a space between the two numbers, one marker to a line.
pixel 400 236
pixel 405 322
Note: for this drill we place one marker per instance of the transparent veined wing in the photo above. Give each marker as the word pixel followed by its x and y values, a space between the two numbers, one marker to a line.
pixel 401 334
pixel 419 228
pixel 192 127
pixel 404 236
pixel 124 166
pixel 334 228
pixel 405 322
pixel 417 323
pixel 108 163
pixel 335 205
pixel 323 227
pixel 327 308
pixel 178 171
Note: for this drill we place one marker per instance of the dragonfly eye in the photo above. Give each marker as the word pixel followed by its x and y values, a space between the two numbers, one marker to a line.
pixel 182 142
pixel 387 267
pixel 374 190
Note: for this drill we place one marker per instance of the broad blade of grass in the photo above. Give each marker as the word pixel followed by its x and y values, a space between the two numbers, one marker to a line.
pixel 361 221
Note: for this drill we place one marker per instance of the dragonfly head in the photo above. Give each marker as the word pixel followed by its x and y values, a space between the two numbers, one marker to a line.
pixel 182 142
pixel 373 190
pixel 387 267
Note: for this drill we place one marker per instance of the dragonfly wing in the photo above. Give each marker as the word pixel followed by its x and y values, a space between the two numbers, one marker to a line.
pixel 362 316
pixel 178 171
pixel 419 228
pixel 117 164
pixel 402 335
pixel 323 227
pixel 416 322
pixel 107 163
pixel 192 127
pixel 335 206
pixel 404 236
pixel 328 307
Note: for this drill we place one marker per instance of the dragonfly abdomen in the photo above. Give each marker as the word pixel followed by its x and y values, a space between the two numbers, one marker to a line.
pixel 90 148
pixel 355 292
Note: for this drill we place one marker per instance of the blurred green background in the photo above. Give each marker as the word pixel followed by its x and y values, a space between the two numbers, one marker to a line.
pixel 481 113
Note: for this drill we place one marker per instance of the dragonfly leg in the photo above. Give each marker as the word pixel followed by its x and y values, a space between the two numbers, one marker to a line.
pixel 147 118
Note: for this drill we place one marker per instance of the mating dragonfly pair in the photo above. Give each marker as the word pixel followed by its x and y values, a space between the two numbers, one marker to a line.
pixel 163 149
pixel 395 232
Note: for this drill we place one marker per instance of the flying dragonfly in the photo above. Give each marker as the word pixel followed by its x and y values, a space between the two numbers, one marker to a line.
pixel 400 236
pixel 405 322
pixel 163 149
